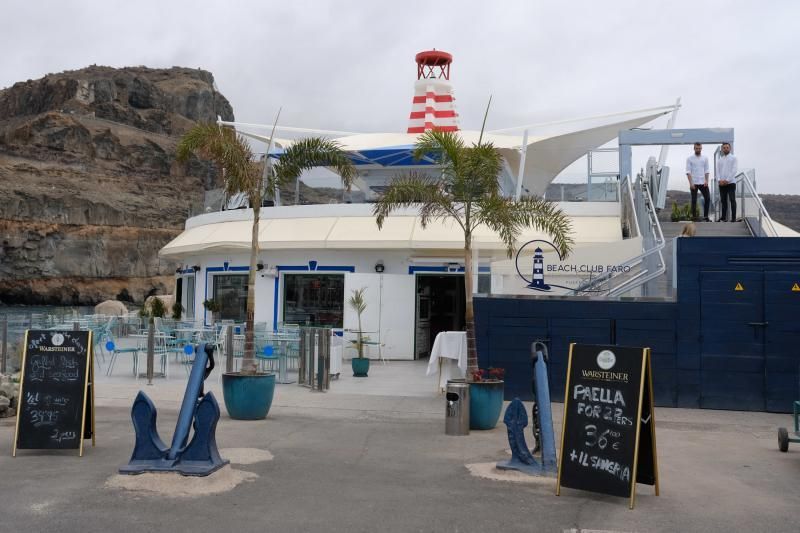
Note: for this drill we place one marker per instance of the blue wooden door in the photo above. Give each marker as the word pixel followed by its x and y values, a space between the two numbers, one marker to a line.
pixel 782 330
pixel 732 365
pixel 563 332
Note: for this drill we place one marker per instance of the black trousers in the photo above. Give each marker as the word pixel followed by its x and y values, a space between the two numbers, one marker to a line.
pixel 706 200
pixel 727 193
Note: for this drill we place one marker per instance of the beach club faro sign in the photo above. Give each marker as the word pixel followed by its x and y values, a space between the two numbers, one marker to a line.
pixel 531 258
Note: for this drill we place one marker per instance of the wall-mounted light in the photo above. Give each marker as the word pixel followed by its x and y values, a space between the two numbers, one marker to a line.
pixel 379 268
pixel 196 268
pixel 260 266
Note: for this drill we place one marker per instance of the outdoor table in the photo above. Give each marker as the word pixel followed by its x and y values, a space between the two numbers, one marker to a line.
pixel 281 340
pixel 366 342
pixel 189 334
pixel 452 346
pixel 142 347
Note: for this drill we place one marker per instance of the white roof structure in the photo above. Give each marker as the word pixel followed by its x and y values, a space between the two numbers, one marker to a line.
pixel 400 232
pixel 546 156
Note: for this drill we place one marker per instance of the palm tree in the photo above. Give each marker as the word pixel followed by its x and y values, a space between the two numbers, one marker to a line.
pixel 468 192
pixel 230 151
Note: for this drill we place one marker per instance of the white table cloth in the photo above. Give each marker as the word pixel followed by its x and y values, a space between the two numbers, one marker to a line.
pixel 449 353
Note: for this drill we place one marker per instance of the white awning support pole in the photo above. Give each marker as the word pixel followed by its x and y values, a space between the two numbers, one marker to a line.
pixel 662 156
pixel 521 173
pixel 268 162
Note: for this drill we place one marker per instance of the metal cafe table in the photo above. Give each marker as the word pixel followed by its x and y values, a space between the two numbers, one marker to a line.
pixel 281 343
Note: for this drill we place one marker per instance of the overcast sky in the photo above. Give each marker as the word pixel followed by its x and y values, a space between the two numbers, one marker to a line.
pixel 349 65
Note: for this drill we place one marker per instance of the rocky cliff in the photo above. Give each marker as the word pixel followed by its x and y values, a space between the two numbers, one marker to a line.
pixel 89 186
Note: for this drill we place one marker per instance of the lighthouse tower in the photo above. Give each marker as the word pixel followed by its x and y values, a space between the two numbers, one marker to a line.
pixel 433 106
pixel 537 282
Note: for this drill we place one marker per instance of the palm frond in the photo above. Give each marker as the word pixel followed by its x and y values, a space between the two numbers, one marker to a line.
pixel 414 189
pixel 443 147
pixel 229 151
pixel 314 152
pixel 509 218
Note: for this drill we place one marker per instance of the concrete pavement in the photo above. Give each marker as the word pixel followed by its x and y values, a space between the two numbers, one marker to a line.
pixel 356 460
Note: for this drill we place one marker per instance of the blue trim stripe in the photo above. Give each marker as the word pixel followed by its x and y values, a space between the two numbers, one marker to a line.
pixel 413 269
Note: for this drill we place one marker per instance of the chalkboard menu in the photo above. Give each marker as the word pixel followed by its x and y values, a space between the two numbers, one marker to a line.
pixel 608 439
pixel 55 400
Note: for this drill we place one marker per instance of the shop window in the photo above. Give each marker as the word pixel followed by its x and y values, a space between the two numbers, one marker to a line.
pixel 313 299
pixel 231 293
pixel 484 283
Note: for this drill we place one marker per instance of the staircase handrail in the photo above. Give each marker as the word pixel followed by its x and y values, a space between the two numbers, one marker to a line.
pixel 643 277
pixel 763 214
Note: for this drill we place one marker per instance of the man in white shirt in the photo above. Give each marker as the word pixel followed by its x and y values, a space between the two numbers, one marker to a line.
pixel 727 168
pixel 697 174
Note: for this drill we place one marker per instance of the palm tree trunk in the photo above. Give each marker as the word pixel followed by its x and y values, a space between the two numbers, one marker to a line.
pixel 469 312
pixel 249 362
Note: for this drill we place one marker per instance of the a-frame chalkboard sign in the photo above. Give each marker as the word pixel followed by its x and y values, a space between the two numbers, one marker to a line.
pixel 608 436
pixel 56 396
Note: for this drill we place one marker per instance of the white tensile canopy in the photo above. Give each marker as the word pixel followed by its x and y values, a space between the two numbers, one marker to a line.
pixel 546 155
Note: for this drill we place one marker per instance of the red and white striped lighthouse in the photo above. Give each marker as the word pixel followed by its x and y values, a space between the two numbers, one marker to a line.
pixel 433 106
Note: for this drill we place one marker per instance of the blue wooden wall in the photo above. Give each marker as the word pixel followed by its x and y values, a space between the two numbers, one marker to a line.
pixel 704 352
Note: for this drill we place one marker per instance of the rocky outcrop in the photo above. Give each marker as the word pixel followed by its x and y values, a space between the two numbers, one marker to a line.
pixel 111 308
pixel 90 187
pixel 8 395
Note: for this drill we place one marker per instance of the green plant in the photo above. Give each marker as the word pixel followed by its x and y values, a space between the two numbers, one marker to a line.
pixel 680 213
pixel 466 189
pixel 243 175
pixel 177 310
pixel 212 306
pixel 359 305
pixel 157 308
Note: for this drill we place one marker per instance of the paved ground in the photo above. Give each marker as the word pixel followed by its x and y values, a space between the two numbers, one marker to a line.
pixel 355 460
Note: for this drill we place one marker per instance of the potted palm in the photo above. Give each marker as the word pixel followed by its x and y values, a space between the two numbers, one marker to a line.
pixel 359 363
pixel 466 190
pixel 248 393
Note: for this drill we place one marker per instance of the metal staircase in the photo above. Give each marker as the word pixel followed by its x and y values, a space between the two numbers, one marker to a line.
pixel 649 273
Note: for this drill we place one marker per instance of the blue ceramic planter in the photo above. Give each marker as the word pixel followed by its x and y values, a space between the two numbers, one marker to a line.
pixel 485 404
pixel 248 397
pixel 360 367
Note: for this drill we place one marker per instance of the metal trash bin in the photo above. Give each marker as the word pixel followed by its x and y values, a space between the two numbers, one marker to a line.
pixel 457 409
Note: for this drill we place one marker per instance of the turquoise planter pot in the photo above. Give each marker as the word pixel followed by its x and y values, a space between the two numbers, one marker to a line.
pixel 248 397
pixel 360 367
pixel 485 404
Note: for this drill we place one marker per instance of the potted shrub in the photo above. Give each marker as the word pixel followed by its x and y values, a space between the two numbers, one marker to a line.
pixel 486 398
pixel 248 393
pixel 359 363
pixel 177 310
pixel 213 307
pixel 157 308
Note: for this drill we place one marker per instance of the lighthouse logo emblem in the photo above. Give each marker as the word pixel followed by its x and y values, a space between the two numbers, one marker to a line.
pixel 537 278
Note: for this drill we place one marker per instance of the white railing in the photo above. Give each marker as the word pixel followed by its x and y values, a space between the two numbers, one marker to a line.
pixel 648 265
pixel 751 208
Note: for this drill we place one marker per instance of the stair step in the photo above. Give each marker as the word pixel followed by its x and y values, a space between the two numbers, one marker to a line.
pixel 707 229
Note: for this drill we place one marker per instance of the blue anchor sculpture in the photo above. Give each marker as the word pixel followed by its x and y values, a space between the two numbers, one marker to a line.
pixel 516 420
pixel 201 410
